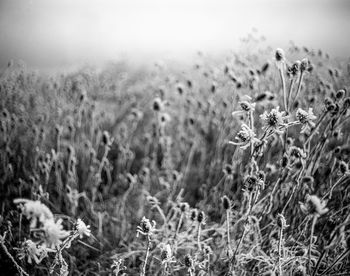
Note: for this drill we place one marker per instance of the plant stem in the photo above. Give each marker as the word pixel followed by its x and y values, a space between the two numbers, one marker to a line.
pixel 310 245
pixel 279 251
pixel 3 246
pixel 143 271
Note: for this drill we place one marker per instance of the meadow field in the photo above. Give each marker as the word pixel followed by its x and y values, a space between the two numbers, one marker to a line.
pixel 230 166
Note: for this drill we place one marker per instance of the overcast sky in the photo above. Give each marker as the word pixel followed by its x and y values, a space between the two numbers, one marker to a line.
pixel 49 33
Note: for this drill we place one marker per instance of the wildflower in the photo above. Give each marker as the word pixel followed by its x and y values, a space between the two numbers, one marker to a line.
pixel 340 94
pixel 245 136
pixel 274 120
pixel 184 207
pixel 279 55
pixel 305 118
pixel 164 118
pixel 189 262
pixel 34 210
pixel 54 233
pixel 157 104
pixel 300 271
pixel 166 254
pixel 106 139
pixel 228 171
pixel 314 205
pixel 32 251
pixel 146 228
pixel 193 214
pixel 281 221
pixel 246 106
pixel 296 152
pixel 82 228
pixel 344 167
pixel 294 69
pixel 117 266
pixel 226 203
pixel 201 217
pixel 304 65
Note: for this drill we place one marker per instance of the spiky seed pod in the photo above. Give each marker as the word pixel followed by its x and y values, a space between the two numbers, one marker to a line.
pixel 146 225
pixel 281 221
pixel 262 175
pixel 346 103
pixel 340 94
pixel 285 161
pixel 226 203
pixel 166 253
pixel 300 271
pixel 343 167
pixel 157 104
pixel 304 64
pixel 201 217
pixel 184 207
pixel 329 104
pixel 228 170
pixel 279 55
pixel 105 138
pixel 188 261
pixel 193 215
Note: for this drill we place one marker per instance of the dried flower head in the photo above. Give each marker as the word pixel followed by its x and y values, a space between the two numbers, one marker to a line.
pixel 189 262
pixel 166 254
pixel 306 119
pixel 314 205
pixel 226 203
pixel 274 120
pixel 146 228
pixel 281 221
pixel 54 233
pixel 245 137
pixel 34 210
pixel 201 217
pixel 82 228
pixel 279 55
pixel 305 63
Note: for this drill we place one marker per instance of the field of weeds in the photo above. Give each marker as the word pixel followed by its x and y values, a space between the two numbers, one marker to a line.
pixel 239 167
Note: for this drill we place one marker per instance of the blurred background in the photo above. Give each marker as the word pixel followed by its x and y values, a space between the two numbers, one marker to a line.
pixel 50 34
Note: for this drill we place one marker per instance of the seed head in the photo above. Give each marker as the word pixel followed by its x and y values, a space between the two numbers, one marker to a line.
pixel 300 271
pixel 279 55
pixel 340 94
pixel 281 221
pixel 201 217
pixel 226 203
pixel 189 261
pixel 304 64
pixel 146 227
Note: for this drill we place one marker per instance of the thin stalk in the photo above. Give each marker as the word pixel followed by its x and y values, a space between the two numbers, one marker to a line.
pixel 199 237
pixel 283 87
pixel 298 89
pixel 310 245
pixel 143 271
pixel 336 261
pixel 279 251
pixel 4 248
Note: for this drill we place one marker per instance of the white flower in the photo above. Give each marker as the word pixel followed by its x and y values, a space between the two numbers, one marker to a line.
pixel 305 118
pixel 246 106
pixel 82 228
pixel 245 136
pixel 33 251
pixel 274 120
pixel 146 227
pixel 34 210
pixel 54 233
pixel 314 205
